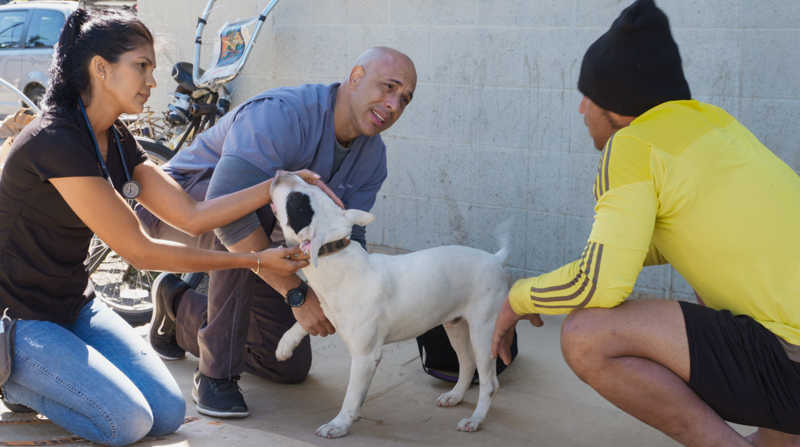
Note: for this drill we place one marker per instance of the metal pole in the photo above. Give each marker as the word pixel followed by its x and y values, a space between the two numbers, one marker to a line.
pixel 21 95
pixel 255 35
pixel 198 40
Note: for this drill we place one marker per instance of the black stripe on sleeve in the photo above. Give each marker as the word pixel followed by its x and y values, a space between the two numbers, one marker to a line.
pixel 587 281
pixel 606 161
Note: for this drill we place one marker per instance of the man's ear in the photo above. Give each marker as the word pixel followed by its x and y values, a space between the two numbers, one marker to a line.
pixel 356 76
pixel 358 217
pixel 620 121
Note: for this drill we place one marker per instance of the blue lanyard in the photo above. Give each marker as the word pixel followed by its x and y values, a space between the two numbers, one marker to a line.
pixel 130 189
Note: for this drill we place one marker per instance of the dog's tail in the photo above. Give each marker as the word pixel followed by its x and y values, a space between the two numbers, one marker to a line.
pixel 504 235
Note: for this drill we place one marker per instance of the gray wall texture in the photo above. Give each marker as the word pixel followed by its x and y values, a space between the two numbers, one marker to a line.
pixel 493 131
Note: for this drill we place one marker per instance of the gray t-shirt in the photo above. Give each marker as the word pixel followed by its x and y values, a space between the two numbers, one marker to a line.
pixel 339 154
pixel 339 151
pixel 291 128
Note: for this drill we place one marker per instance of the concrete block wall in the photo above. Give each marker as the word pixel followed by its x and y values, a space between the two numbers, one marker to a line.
pixel 493 132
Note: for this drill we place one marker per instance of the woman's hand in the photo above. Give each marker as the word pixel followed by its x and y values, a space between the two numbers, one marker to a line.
pixel 276 260
pixel 312 178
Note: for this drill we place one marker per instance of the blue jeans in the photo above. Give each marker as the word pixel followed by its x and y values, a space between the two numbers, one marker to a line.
pixel 96 378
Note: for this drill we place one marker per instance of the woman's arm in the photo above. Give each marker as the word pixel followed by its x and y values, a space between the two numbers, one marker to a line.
pixel 162 196
pixel 112 220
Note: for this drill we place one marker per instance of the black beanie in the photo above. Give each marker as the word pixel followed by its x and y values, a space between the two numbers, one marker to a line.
pixel 635 65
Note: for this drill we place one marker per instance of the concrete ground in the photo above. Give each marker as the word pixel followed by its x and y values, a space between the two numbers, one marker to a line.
pixel 541 403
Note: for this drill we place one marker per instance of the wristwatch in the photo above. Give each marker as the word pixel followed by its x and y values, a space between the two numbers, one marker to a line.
pixel 297 296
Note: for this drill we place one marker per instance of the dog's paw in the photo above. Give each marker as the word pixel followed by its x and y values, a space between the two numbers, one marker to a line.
pixel 284 350
pixel 332 430
pixel 450 399
pixel 468 425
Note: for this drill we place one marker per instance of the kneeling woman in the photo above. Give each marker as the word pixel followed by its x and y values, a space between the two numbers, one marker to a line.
pixel 76 361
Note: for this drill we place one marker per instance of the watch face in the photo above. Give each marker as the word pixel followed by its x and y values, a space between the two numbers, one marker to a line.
pixel 295 298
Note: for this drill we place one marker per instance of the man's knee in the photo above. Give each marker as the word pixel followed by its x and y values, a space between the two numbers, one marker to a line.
pixel 294 370
pixel 580 340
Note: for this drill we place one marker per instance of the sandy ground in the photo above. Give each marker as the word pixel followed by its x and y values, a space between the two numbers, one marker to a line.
pixel 541 403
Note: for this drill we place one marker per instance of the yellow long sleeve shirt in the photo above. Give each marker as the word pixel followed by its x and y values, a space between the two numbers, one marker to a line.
pixel 687 184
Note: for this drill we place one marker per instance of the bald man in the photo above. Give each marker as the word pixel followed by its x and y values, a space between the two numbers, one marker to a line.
pixel 333 130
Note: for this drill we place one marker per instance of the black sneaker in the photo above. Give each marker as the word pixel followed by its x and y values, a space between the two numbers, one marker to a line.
pixel 162 326
pixel 220 398
pixel 15 408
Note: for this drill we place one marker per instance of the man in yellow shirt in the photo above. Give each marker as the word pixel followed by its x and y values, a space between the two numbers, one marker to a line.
pixel 685 183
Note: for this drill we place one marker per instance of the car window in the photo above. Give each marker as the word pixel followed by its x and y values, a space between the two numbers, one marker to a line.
pixel 11 24
pixel 45 28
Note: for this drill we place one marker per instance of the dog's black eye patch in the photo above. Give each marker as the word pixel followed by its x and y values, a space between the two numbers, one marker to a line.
pixel 298 211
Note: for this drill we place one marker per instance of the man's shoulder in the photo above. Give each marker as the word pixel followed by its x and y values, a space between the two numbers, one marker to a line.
pixel 675 125
pixel 299 97
pixel 625 159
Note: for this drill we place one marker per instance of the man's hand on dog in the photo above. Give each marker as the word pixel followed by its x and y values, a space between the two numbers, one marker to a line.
pixel 311 317
pixel 504 330
pixel 312 178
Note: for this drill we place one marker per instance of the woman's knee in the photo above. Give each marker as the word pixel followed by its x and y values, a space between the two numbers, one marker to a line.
pixel 168 414
pixel 127 425
pixel 158 417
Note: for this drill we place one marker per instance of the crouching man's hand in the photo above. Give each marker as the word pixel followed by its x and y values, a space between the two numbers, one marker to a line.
pixel 504 330
pixel 311 317
pixel 312 178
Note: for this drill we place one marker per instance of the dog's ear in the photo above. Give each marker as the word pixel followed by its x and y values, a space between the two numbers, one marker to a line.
pixel 358 217
pixel 316 244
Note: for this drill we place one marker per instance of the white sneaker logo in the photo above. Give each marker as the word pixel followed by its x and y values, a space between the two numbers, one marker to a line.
pixel 160 328
pixel 197 382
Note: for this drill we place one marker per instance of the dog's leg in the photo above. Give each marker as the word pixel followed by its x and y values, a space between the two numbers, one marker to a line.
pixel 459 339
pixel 362 369
pixel 290 340
pixel 481 337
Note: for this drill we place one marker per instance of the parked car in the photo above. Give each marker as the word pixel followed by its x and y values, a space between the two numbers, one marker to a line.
pixel 29 31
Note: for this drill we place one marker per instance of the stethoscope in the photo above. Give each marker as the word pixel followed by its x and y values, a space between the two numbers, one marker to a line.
pixel 130 189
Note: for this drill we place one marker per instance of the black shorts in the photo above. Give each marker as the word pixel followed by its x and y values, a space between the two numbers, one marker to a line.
pixel 740 369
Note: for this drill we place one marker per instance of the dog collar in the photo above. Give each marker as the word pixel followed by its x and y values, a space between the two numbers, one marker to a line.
pixel 326 250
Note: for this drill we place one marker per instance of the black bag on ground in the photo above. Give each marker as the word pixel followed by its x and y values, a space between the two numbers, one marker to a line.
pixel 436 353
pixel 7 331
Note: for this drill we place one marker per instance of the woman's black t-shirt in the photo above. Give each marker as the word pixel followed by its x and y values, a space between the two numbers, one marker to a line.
pixel 44 246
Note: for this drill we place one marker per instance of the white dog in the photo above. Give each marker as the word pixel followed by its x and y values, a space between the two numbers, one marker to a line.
pixel 374 299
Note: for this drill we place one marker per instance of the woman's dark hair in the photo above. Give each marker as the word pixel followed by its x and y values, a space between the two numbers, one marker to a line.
pixel 107 34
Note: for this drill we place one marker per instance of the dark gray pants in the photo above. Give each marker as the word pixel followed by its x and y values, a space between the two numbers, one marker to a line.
pixel 236 328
